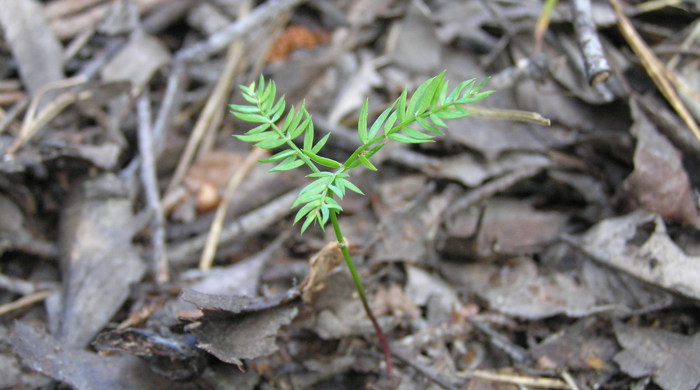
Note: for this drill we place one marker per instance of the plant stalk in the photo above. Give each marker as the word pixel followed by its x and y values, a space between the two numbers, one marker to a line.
pixel 361 291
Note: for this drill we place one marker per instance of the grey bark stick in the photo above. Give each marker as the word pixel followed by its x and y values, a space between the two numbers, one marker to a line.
pixel 597 67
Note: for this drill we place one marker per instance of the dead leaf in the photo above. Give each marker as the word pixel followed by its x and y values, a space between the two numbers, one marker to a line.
pixel 322 264
pixel 40 59
pixel 581 346
pixel 501 229
pixel 414 44
pixel 84 370
pixel 463 20
pixel 669 357
pixel 520 289
pixel 234 328
pixel 408 235
pixel 137 61
pixel 393 300
pixel 471 171
pixel 624 243
pixel 425 289
pixel 99 261
pixel 338 311
pixel 659 182
pixel 356 88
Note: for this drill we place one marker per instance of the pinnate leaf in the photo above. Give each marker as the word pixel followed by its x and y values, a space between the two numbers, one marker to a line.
pixel 362 123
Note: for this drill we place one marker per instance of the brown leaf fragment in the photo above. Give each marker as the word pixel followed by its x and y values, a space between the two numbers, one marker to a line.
pixel 659 183
pixel 85 370
pixel 246 336
pixel 238 327
pixel 505 226
pixel 137 61
pixel 623 243
pixel 672 359
pixel 322 264
pixel 338 311
pixel 581 346
pixel 510 226
pixel 519 289
pixel 409 233
pixel 98 260
pixel 414 42
pixel 227 306
pixel 33 44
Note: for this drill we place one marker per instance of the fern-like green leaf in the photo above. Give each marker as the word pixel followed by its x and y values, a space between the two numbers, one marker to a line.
pixel 257 137
pixel 374 130
pixel 362 123
pixel 287 165
pixel 278 156
pixel 326 162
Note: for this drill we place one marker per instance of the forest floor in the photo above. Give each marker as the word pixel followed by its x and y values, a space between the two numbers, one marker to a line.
pixel 142 246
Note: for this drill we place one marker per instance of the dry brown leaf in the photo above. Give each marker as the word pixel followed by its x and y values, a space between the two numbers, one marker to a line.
pixel 40 59
pixel 84 370
pixel 669 357
pixel 322 264
pixel 98 260
pixel 238 327
pixel 625 243
pixel 659 182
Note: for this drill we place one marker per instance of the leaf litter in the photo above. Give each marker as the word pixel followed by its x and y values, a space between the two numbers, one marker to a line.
pixel 505 253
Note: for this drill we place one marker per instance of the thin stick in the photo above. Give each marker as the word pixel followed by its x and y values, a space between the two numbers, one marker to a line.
pixel 222 90
pixel 33 121
pixel 170 104
pixel 18 286
pixel 363 296
pixel 654 67
pixel 542 382
pixel 569 380
pixel 25 301
pixel 150 185
pixel 215 104
pixel 250 223
pixel 234 182
pixel 13 113
pixel 510 115
pixel 597 67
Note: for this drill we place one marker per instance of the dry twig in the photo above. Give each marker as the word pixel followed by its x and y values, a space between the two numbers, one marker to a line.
pixel 250 223
pixel 597 67
pixel 212 114
pixel 25 301
pixel 654 67
pixel 540 382
pixel 150 185
pixel 234 182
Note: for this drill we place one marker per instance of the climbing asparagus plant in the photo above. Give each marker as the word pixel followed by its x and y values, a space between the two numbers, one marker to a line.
pixel 414 120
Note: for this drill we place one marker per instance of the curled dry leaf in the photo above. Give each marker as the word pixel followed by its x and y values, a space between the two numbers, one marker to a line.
pixel 322 264
pixel 625 244
pixel 659 183
pixel 238 327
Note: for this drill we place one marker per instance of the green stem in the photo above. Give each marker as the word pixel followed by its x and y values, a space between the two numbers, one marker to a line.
pixel 361 291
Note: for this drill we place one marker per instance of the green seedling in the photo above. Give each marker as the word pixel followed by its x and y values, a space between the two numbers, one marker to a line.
pixel 415 120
